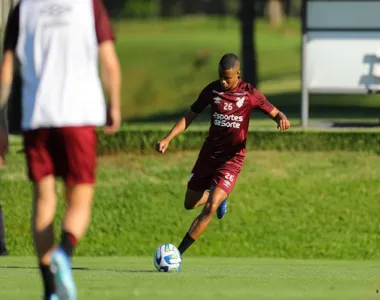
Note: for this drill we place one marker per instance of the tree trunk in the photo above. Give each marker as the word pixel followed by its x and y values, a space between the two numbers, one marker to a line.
pixel 249 58
pixel 288 8
pixel 275 13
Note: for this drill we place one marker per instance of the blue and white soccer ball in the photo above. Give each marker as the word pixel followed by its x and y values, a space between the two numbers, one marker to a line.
pixel 167 258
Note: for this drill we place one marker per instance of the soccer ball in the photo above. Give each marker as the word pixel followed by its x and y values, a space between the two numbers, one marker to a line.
pixel 167 258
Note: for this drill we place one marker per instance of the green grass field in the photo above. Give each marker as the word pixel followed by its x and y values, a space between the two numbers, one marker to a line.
pixel 162 77
pixel 202 278
pixel 285 205
pixel 300 225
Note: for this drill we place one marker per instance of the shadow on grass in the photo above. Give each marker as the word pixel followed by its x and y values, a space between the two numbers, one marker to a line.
pixel 355 124
pixel 84 269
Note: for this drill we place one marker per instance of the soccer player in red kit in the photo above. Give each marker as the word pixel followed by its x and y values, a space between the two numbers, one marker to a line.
pixel 58 45
pixel 222 155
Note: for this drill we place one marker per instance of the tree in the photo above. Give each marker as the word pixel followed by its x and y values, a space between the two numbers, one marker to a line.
pixel 288 8
pixel 248 49
pixel 275 12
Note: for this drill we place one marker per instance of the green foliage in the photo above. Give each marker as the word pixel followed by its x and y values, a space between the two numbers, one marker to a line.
pixel 285 204
pixel 167 63
pixel 144 140
pixel 141 9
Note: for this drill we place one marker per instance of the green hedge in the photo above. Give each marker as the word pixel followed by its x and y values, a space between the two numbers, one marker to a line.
pixel 144 141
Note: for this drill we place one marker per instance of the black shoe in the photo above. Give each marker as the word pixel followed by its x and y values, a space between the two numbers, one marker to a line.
pixel 4 252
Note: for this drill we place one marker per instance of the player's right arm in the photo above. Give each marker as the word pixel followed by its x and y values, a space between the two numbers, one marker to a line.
pixel 177 129
pixel 196 108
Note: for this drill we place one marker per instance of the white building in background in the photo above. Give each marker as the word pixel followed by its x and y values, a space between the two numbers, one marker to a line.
pixel 340 48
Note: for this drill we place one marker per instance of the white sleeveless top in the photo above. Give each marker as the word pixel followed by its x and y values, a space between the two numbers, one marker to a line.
pixel 58 50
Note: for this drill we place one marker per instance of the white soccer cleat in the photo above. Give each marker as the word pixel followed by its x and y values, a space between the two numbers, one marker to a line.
pixel 63 277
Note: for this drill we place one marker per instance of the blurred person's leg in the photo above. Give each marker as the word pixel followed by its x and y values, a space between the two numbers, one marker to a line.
pixel 3 137
pixel 3 152
pixel 45 203
pixel 3 248
pixel 79 146
pixel 38 145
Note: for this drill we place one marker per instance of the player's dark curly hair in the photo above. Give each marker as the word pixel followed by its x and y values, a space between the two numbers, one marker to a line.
pixel 229 61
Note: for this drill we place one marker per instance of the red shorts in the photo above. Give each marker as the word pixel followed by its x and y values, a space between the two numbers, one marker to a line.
pixel 67 152
pixel 215 172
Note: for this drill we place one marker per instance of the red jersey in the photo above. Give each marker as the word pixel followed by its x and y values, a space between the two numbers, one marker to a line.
pixel 230 115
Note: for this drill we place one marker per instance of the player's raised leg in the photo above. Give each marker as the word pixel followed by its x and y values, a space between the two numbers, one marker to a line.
pixel 222 209
pixel 195 199
pixel 225 178
pixel 198 186
pixel 44 207
pixel 199 225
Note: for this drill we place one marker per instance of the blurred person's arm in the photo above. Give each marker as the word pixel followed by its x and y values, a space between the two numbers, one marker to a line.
pixel 6 76
pixel 6 66
pixel 109 66
pixel 111 76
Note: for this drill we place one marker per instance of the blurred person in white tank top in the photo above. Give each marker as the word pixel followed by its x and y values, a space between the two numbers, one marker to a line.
pixel 58 45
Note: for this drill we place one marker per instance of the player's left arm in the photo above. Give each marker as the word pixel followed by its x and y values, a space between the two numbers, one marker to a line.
pixel 279 117
pixel 6 67
pixel 6 78
pixel 260 101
